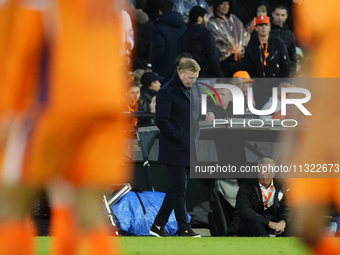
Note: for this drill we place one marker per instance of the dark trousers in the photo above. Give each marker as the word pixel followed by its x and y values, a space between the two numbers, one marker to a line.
pixel 175 198
pixel 254 228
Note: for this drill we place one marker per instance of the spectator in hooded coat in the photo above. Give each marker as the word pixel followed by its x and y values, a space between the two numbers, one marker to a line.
pixel 167 31
pixel 200 43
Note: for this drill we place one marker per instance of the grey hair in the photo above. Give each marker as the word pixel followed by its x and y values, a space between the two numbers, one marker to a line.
pixel 266 160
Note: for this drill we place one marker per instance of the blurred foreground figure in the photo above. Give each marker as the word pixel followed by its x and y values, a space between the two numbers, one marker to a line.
pixel 60 119
pixel 311 197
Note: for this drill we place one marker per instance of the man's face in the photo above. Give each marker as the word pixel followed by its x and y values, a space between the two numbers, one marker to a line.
pixel 265 176
pixel 155 85
pixel 188 78
pixel 132 94
pixel 223 8
pixel 261 13
pixel 225 96
pixel 245 87
pixel 279 17
pixel 262 29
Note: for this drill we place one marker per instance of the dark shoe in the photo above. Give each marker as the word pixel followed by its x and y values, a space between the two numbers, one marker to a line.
pixel 158 231
pixel 190 233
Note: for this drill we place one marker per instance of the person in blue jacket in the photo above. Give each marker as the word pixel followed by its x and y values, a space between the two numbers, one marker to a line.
pixel 167 30
pixel 200 43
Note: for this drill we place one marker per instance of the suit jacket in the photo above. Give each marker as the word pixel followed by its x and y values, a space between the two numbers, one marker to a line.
pixel 174 112
pixel 249 205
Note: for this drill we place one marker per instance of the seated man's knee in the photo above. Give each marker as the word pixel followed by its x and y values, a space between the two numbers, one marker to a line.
pixel 254 228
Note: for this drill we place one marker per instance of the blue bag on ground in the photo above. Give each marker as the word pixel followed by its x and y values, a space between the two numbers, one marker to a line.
pixel 136 220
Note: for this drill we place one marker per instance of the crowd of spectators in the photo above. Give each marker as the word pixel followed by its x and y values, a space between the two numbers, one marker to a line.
pixel 224 37
pixel 233 40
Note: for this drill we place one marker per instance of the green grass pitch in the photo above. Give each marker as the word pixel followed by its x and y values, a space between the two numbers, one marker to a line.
pixel 205 245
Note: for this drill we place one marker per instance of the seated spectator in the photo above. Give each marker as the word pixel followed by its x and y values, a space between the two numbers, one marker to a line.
pixel 224 110
pixel 261 208
pixel 146 121
pixel 137 75
pixel 150 85
pixel 269 104
pixel 150 109
pixel 134 102
pixel 200 42
pixel 243 81
pixel 230 36
pixel 246 82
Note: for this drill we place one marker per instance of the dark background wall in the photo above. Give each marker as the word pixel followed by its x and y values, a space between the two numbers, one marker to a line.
pixel 197 188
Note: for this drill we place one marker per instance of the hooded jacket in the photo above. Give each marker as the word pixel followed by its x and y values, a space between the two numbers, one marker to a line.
pixel 200 43
pixel 287 36
pixel 167 31
pixel 143 37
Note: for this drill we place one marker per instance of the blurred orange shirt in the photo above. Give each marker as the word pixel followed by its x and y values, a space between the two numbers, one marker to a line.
pixel 79 132
pixel 317 25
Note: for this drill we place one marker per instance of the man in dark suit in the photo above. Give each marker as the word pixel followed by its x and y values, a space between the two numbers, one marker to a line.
pixel 177 114
pixel 261 207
